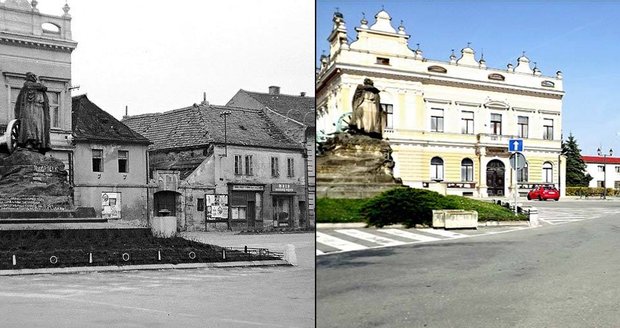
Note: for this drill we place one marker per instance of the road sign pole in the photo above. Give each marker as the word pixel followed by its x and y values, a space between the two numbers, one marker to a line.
pixel 516 179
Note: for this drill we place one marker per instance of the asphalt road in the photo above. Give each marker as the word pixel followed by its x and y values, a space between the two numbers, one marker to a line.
pixel 237 297
pixel 557 275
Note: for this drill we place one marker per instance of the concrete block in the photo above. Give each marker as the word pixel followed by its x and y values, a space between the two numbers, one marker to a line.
pixel 164 226
pixel 533 214
pixel 438 218
pixel 457 219
pixel 289 254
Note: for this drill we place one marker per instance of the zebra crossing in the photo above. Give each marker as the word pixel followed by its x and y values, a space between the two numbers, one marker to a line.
pixel 559 215
pixel 347 240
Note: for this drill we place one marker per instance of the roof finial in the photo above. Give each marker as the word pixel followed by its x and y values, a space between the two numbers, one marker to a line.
pixel 417 44
pixel 468 44
pixel 382 8
pixel 481 53
pixel 523 53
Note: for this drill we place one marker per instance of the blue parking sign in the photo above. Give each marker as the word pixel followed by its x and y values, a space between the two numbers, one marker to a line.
pixel 515 145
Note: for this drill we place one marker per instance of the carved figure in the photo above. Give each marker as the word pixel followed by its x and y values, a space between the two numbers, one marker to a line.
pixel 32 111
pixel 367 117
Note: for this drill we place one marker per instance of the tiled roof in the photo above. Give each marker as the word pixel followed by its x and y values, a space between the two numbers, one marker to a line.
pixel 601 159
pixel 301 109
pixel 91 123
pixel 200 125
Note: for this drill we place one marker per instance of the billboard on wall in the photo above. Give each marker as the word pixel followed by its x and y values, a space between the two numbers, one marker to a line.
pixel 111 205
pixel 217 207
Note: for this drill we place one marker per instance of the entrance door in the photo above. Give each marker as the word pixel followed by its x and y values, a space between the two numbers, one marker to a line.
pixel 495 178
pixel 251 215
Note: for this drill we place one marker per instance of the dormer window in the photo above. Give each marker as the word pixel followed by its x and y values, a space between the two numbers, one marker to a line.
pixel 383 61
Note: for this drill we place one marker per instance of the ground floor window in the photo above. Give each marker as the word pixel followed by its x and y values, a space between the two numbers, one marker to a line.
pixel 239 213
pixel 282 211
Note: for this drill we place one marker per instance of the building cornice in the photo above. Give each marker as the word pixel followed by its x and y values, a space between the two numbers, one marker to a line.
pixel 39 42
pixel 446 81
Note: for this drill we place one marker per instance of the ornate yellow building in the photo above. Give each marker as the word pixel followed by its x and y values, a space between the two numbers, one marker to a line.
pixel 448 122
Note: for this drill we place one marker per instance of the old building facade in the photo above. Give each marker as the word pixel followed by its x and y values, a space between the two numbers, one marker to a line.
pixel 596 167
pixel 39 43
pixel 295 115
pixel 448 122
pixel 223 168
pixel 111 170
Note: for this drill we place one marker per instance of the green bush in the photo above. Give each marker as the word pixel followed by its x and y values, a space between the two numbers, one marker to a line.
pixel 402 205
pixel 332 210
pixel 590 191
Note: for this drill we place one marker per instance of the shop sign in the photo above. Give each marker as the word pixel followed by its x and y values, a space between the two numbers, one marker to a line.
pixel 282 187
pixel 248 188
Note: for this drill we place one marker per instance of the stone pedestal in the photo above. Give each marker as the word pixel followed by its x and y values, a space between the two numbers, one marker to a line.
pixel 31 182
pixel 355 166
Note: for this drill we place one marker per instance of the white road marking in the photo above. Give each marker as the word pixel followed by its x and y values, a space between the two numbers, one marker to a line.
pixel 369 237
pixel 338 243
pixel 318 252
pixel 444 233
pixel 408 235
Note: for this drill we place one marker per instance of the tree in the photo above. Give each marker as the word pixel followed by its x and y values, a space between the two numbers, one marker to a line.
pixel 575 167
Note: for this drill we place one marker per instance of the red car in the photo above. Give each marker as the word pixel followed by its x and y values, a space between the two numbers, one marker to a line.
pixel 544 193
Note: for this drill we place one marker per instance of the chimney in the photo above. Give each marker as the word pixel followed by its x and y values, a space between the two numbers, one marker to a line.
pixel 126 110
pixel 303 94
pixel 274 90
pixel 204 99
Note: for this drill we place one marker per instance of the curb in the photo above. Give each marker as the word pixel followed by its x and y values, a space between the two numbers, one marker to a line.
pixel 112 268
pixel 503 223
pixel 353 225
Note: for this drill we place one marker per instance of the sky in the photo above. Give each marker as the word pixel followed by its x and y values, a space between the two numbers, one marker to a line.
pixel 579 38
pixel 154 56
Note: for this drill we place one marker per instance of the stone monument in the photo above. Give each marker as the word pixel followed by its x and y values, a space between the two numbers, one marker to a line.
pixel 357 163
pixel 32 184
pixel 367 117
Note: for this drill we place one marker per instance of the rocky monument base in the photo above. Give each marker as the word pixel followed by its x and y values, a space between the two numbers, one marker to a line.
pixel 355 166
pixel 33 185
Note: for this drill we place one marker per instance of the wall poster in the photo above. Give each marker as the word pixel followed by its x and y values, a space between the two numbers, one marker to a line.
pixel 111 205
pixel 217 207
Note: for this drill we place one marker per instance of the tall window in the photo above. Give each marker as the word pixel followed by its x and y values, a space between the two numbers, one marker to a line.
pixel 437 169
pixel 467 123
pixel 54 102
pixel 436 120
pixel 522 122
pixel 496 124
pixel 547 172
pixel 467 170
pixel 275 170
pixel 123 157
pixel 97 160
pixel 601 168
pixel 249 168
pixel 548 129
pixel 290 168
pixel 238 165
pixel 523 174
pixel 389 110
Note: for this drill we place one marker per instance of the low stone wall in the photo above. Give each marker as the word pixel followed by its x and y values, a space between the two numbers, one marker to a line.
pixel 455 219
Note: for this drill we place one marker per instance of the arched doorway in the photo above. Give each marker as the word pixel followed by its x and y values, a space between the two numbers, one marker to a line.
pixel 495 178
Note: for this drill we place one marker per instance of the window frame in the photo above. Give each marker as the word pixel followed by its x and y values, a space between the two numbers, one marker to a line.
pixel 467 170
pixel 547 129
pixel 437 121
pixel 523 128
pixel 100 158
pixel 238 165
pixel 466 122
pixel 249 165
pixel 495 124
pixel 437 169
pixel 275 167
pixel 126 159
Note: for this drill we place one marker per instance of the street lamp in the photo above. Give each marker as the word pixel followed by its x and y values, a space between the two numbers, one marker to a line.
pixel 225 114
pixel 611 152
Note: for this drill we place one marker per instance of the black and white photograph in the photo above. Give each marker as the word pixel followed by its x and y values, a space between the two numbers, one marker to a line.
pixel 157 163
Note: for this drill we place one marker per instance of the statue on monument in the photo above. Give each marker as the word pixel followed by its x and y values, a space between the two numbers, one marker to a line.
pixel 367 117
pixel 32 111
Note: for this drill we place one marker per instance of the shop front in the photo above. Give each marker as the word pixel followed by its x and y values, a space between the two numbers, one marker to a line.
pixel 288 205
pixel 246 203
